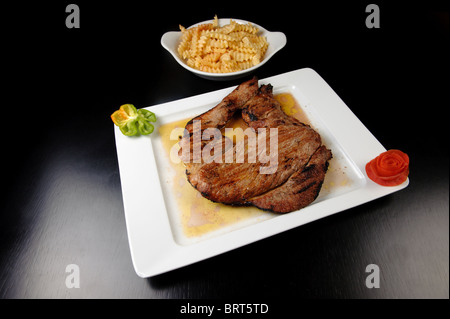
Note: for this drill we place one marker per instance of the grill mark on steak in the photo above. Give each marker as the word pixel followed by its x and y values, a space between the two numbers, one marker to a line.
pixel 303 160
pixel 300 189
pixel 306 187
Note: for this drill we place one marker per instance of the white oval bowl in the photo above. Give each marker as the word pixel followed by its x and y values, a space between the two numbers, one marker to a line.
pixel 277 40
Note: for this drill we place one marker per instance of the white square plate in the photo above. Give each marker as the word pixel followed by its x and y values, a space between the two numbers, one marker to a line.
pixel 156 240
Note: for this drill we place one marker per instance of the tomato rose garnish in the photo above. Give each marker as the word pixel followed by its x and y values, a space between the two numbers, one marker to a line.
pixel 390 168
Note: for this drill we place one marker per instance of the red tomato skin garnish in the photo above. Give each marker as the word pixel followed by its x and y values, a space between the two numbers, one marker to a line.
pixel 390 168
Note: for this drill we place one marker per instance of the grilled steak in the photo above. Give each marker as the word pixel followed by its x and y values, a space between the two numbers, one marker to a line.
pixel 301 160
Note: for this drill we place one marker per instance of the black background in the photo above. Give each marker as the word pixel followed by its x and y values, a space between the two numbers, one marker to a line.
pixel 62 202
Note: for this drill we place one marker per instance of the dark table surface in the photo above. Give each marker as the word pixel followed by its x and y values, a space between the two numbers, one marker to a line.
pixel 62 201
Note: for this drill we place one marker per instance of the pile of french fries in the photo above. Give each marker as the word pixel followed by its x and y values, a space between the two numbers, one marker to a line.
pixel 222 49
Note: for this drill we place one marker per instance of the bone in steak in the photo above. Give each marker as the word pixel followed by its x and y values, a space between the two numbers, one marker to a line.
pixel 302 159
